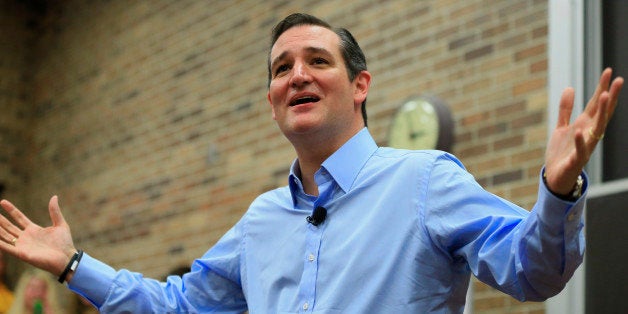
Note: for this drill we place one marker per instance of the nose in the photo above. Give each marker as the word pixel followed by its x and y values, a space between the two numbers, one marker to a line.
pixel 300 75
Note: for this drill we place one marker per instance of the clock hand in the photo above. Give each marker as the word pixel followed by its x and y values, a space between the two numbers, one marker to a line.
pixel 416 134
pixel 413 132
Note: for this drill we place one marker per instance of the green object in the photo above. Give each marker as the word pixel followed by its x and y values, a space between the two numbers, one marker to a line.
pixel 38 307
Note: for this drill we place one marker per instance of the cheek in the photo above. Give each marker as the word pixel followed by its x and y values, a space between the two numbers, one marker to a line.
pixel 272 109
pixel 270 103
pixel 275 98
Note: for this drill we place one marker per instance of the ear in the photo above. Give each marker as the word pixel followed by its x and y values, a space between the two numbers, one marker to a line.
pixel 270 102
pixel 362 82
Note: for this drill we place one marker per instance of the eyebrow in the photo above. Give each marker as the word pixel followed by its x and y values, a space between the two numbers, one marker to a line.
pixel 312 50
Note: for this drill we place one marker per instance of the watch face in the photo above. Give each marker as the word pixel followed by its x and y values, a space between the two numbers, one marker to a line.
pixel 415 126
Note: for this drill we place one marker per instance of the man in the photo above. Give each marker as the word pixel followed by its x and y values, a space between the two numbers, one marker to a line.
pixel 387 231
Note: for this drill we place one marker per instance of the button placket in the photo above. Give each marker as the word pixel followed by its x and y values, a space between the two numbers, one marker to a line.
pixel 313 237
pixel 307 291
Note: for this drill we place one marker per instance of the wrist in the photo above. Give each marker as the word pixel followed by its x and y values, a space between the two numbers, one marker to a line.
pixel 573 194
pixel 70 268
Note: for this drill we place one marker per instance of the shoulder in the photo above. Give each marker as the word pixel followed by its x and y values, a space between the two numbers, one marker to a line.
pixel 429 158
pixel 270 202
pixel 276 195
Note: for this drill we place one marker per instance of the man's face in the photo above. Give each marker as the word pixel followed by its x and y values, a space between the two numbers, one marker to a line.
pixel 310 89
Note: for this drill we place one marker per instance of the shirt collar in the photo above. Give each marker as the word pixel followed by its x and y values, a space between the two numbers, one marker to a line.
pixel 343 165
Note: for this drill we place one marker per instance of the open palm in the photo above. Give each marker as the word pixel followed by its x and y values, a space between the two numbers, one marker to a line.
pixel 571 144
pixel 47 248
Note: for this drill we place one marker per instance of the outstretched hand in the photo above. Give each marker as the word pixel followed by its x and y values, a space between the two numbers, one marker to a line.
pixel 572 144
pixel 47 248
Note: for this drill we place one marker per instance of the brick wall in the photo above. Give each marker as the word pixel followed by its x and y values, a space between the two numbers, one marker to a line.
pixel 150 119
pixel 15 39
pixel 17 34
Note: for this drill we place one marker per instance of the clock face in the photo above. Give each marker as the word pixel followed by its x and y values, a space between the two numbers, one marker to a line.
pixel 421 123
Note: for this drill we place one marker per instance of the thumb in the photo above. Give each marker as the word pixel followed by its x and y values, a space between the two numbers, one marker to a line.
pixel 55 212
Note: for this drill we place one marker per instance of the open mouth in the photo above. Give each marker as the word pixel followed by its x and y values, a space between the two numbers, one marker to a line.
pixel 304 100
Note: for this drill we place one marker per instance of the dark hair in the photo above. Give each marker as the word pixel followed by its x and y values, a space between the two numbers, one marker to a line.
pixel 354 58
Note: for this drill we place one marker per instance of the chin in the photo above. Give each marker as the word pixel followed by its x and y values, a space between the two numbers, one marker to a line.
pixel 302 126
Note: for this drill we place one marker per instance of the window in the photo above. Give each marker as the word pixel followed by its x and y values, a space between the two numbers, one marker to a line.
pixel 615 54
pixel 584 37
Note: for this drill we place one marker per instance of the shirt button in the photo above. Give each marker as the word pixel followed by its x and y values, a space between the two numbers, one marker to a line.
pixel 310 257
pixel 305 306
pixel 571 217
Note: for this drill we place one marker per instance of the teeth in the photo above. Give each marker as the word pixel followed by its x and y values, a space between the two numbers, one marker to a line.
pixel 304 100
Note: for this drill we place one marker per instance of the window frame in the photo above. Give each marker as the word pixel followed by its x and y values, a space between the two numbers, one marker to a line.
pixel 575 59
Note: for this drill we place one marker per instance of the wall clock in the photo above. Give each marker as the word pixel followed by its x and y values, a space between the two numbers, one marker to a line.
pixel 422 122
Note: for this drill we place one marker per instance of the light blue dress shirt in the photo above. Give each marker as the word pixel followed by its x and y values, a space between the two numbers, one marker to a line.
pixel 404 232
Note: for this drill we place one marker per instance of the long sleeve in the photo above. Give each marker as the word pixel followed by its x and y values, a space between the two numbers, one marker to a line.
pixel 529 255
pixel 212 286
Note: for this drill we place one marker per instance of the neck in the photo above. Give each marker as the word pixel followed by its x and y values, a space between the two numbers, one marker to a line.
pixel 312 154
pixel 310 160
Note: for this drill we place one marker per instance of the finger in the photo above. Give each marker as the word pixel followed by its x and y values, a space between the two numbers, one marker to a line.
pixel 566 106
pixel 613 94
pixel 582 152
pixel 9 233
pixel 55 212
pixel 9 227
pixel 602 86
pixel 608 103
pixel 9 248
pixel 21 220
pixel 601 117
pixel 7 237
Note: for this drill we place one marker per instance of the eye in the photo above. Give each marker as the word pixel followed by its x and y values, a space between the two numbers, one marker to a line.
pixel 319 60
pixel 281 68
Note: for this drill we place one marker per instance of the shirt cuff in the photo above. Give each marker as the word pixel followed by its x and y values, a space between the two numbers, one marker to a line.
pixel 92 279
pixel 572 211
